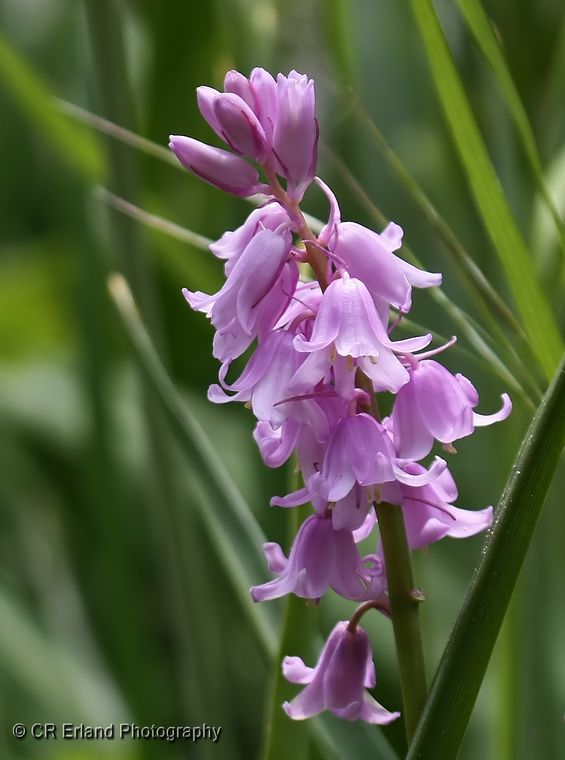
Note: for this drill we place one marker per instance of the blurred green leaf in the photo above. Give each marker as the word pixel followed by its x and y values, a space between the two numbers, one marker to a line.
pixel 485 37
pixel 57 680
pixel 107 127
pixel 537 318
pixel 465 264
pixel 75 145
pixel 283 736
pixel 230 519
pixel 545 239
pixel 339 21
pixel 233 528
pixel 478 338
pixel 466 657
pixel 152 220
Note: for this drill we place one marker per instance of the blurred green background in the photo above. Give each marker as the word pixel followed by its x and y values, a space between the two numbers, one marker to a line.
pixel 120 598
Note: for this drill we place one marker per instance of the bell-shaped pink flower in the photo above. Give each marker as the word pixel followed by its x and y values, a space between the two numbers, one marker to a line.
pixel 347 318
pixel 369 257
pixel 295 137
pixel 339 681
pixel 276 444
pixel 255 294
pixel 320 558
pixel 429 514
pixel 360 451
pixel 231 245
pixel 216 166
pixel 349 513
pixel 264 380
pixel 436 405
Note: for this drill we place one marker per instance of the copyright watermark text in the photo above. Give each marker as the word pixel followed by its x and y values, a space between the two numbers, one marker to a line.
pixel 119 731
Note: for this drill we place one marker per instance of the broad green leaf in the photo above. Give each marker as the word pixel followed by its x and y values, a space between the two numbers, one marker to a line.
pixel 481 28
pixel 75 146
pixel 466 657
pixel 537 318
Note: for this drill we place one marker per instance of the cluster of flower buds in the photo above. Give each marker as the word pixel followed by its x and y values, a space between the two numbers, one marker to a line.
pixel 320 311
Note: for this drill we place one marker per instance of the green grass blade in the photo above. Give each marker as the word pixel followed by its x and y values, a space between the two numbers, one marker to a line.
pixel 233 527
pixel 109 128
pixel 76 147
pixel 481 28
pixel 464 662
pixel 462 320
pixel 153 220
pixel 537 318
pixel 285 737
pixel 339 21
pixel 477 337
pixel 464 261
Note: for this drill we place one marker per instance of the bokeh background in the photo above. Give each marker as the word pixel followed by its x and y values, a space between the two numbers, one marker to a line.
pixel 120 598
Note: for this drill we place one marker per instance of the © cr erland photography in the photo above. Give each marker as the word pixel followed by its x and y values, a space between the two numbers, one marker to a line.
pixel 282 380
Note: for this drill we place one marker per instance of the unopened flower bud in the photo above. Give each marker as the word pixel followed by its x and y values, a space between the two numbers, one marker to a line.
pixel 295 139
pixel 239 126
pixel 218 167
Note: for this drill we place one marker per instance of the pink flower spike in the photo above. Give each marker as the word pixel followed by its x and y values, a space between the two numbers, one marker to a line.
pixel 233 242
pixel 206 97
pixel 264 90
pixel 276 445
pixel 217 166
pixel 338 682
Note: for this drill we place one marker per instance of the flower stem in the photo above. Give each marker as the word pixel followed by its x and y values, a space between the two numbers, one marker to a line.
pixel 404 608
pixel 404 599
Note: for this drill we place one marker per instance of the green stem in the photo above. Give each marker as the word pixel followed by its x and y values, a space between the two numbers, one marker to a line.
pixel 404 599
pixel 404 610
pixel 283 737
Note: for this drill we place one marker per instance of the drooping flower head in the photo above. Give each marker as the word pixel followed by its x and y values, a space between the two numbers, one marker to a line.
pixel 339 680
